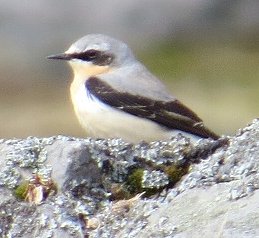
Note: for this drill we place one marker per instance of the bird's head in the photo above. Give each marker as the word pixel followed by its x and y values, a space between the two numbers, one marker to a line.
pixel 96 54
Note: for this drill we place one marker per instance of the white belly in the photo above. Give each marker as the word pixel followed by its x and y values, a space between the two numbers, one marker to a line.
pixel 102 121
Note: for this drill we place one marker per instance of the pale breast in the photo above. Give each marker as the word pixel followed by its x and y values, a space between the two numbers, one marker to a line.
pixel 85 105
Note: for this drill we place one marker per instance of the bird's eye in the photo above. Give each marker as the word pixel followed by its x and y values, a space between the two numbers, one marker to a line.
pixel 91 54
pixel 88 55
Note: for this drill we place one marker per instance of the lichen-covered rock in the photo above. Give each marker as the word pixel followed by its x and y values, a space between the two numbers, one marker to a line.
pixel 71 187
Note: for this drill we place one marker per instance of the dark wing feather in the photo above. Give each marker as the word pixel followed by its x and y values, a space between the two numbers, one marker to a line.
pixel 171 114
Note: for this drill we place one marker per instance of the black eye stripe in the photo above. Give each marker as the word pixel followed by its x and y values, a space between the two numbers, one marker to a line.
pixel 88 55
pixel 94 56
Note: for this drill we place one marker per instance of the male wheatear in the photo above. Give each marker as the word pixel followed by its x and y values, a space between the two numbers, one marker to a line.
pixel 115 96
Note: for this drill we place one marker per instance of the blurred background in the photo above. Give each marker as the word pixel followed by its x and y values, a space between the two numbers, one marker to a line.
pixel 207 52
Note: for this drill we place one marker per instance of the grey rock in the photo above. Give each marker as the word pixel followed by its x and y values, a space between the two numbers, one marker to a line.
pixel 92 194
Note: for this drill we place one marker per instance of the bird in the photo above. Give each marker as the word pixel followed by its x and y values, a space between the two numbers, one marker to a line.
pixel 115 96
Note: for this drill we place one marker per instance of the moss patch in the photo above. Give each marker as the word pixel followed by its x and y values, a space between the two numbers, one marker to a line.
pixel 175 173
pixel 21 191
pixel 134 182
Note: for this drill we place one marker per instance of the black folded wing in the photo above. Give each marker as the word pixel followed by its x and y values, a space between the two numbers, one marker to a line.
pixel 170 114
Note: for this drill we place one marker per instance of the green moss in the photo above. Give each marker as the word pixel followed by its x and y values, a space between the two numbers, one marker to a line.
pixel 134 182
pixel 175 173
pixel 21 191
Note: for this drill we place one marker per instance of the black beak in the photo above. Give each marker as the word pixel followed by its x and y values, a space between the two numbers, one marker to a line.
pixel 62 56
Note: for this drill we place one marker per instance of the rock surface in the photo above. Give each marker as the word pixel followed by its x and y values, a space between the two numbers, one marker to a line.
pixel 70 187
